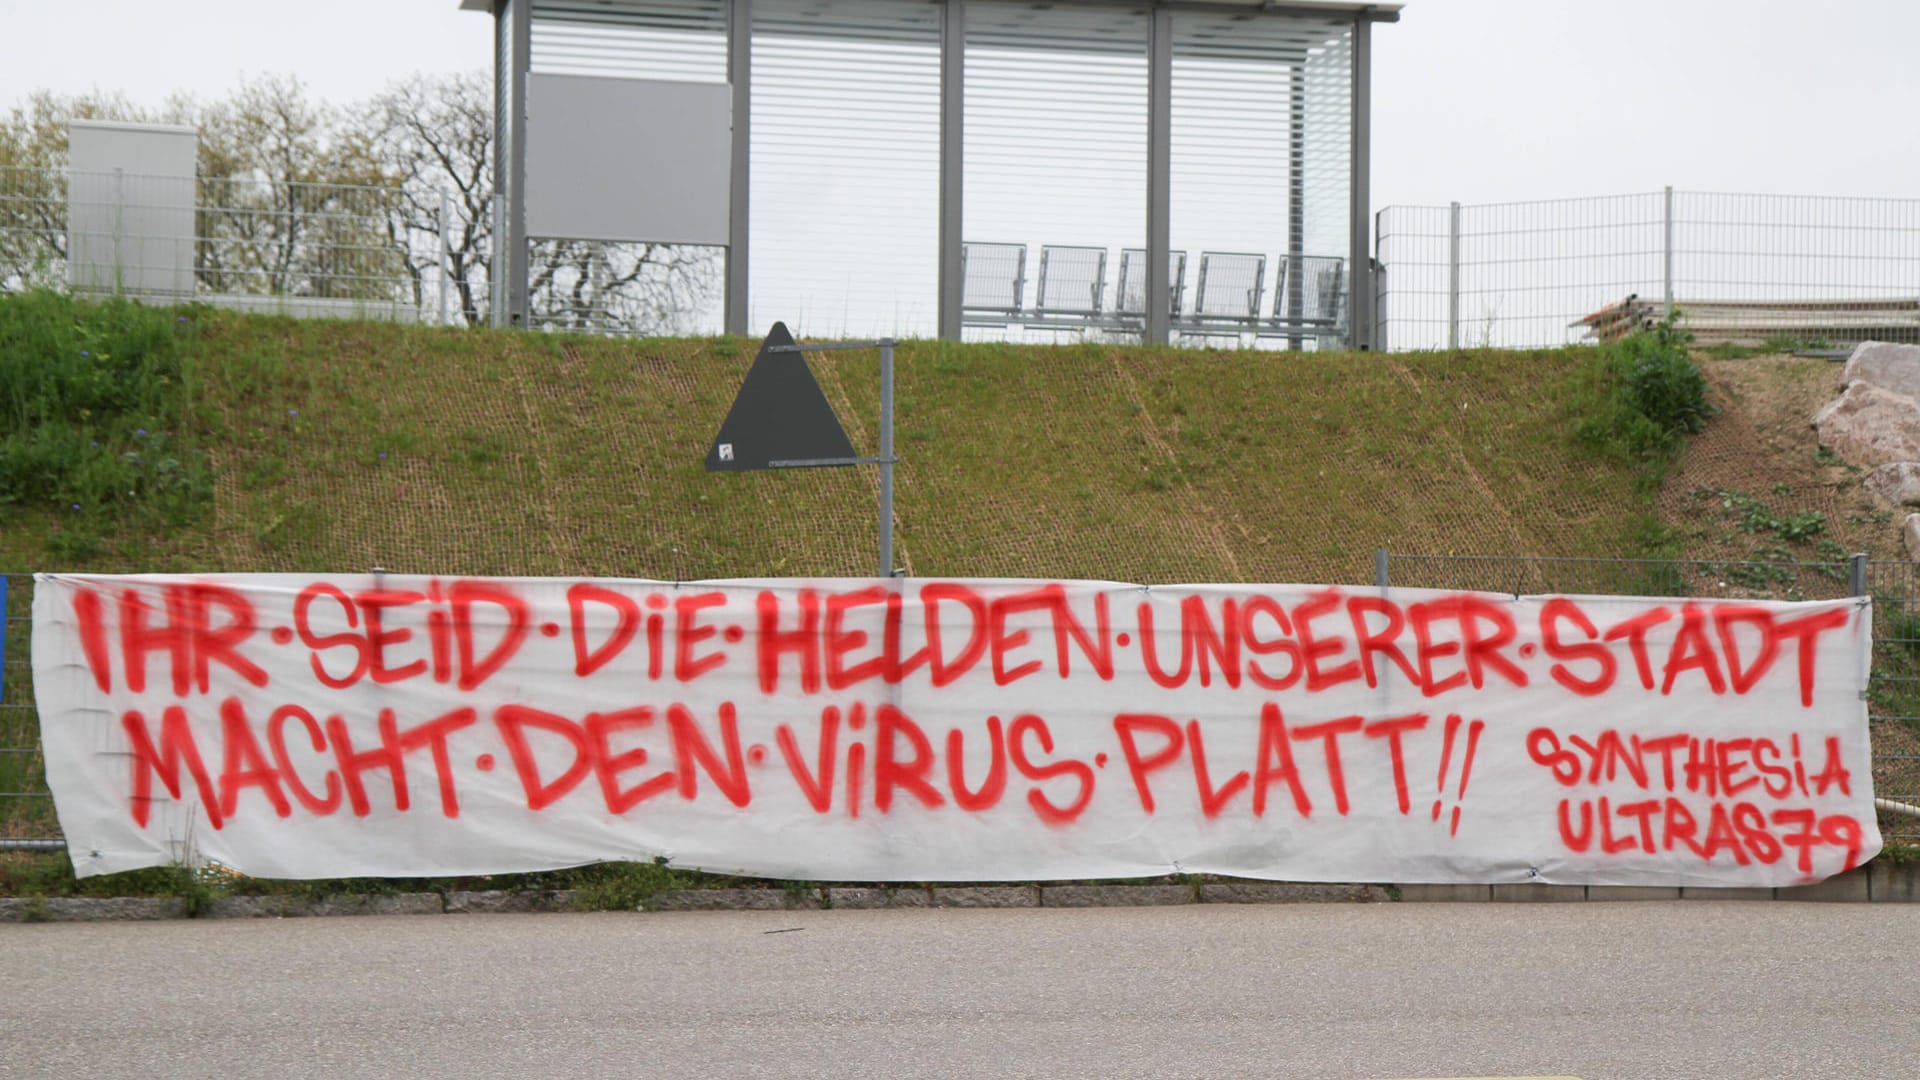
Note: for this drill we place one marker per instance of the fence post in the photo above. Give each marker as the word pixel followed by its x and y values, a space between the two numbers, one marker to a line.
pixel 1453 276
pixel 1667 217
pixel 1380 567
pixel 497 264
pixel 446 255
pixel 1857 574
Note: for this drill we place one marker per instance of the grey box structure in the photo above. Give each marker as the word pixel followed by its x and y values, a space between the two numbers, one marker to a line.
pixel 130 207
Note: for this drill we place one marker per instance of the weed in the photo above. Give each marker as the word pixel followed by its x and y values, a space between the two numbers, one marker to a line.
pixel 622 886
pixel 1654 395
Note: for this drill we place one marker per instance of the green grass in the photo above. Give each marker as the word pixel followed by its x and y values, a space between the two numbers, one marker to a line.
pixel 342 446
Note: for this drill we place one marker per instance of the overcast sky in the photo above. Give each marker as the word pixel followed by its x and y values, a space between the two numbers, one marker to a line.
pixel 1475 100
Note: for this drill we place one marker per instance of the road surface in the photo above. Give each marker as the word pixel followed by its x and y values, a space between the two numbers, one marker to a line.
pixel 1596 990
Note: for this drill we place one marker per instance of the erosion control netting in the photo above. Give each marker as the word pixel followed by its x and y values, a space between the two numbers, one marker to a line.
pixel 535 455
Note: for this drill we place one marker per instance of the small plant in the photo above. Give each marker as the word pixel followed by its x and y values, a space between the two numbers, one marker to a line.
pixel 622 886
pixel 1653 395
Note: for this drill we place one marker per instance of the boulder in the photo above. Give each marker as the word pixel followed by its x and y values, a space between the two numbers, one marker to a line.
pixel 1869 425
pixel 1911 534
pixel 1898 483
pixel 1887 366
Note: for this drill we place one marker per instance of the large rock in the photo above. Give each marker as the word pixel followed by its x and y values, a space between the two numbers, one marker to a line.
pixel 1898 483
pixel 1869 425
pixel 1887 366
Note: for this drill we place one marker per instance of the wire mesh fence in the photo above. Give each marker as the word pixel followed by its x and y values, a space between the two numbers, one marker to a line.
pixel 26 810
pixel 1738 268
pixel 1893 690
pixel 293 248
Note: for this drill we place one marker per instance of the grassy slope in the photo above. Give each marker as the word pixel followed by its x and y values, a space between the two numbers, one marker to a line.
pixel 528 454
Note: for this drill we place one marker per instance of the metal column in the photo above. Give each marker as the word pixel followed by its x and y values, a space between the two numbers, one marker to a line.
pixel 518 24
pixel 1359 210
pixel 953 54
pixel 740 76
pixel 1159 176
pixel 1666 307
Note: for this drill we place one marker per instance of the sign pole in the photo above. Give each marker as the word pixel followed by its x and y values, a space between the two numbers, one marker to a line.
pixel 886 457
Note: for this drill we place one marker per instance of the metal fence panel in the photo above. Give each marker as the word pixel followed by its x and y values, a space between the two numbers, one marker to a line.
pixel 289 248
pixel 1740 268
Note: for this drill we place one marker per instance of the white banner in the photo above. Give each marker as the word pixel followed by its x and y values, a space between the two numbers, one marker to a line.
pixel 933 730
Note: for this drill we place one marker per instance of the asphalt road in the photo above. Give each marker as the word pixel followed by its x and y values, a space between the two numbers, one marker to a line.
pixel 1596 990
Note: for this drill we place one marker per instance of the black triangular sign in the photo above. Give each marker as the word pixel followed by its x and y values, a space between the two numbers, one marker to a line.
pixel 780 415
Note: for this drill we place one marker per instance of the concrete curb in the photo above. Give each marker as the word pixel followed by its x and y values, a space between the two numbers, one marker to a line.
pixel 1878 882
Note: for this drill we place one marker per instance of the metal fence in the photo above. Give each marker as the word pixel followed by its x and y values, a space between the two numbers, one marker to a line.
pixel 27 817
pixel 295 248
pixel 1893 690
pixel 1748 269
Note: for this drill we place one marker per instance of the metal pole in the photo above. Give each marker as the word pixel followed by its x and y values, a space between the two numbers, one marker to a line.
pixel 1667 307
pixel 1453 276
pixel 1380 567
pixel 446 256
pixel 1381 286
pixel 517 250
pixel 1857 574
pixel 886 457
pixel 740 74
pixel 953 143
pixel 497 269
pixel 1360 208
pixel 1159 320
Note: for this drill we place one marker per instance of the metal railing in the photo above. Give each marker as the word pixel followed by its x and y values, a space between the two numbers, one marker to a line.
pixel 1739 268
pixel 1893 688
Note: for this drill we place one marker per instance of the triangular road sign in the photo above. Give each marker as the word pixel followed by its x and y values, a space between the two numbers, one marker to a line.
pixel 780 417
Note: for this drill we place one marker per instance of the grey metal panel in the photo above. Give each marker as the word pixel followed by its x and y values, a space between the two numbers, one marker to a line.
pixel 130 207
pixel 627 159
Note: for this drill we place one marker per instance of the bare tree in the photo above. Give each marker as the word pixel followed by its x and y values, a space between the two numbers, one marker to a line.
pixel 435 135
pixel 295 198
